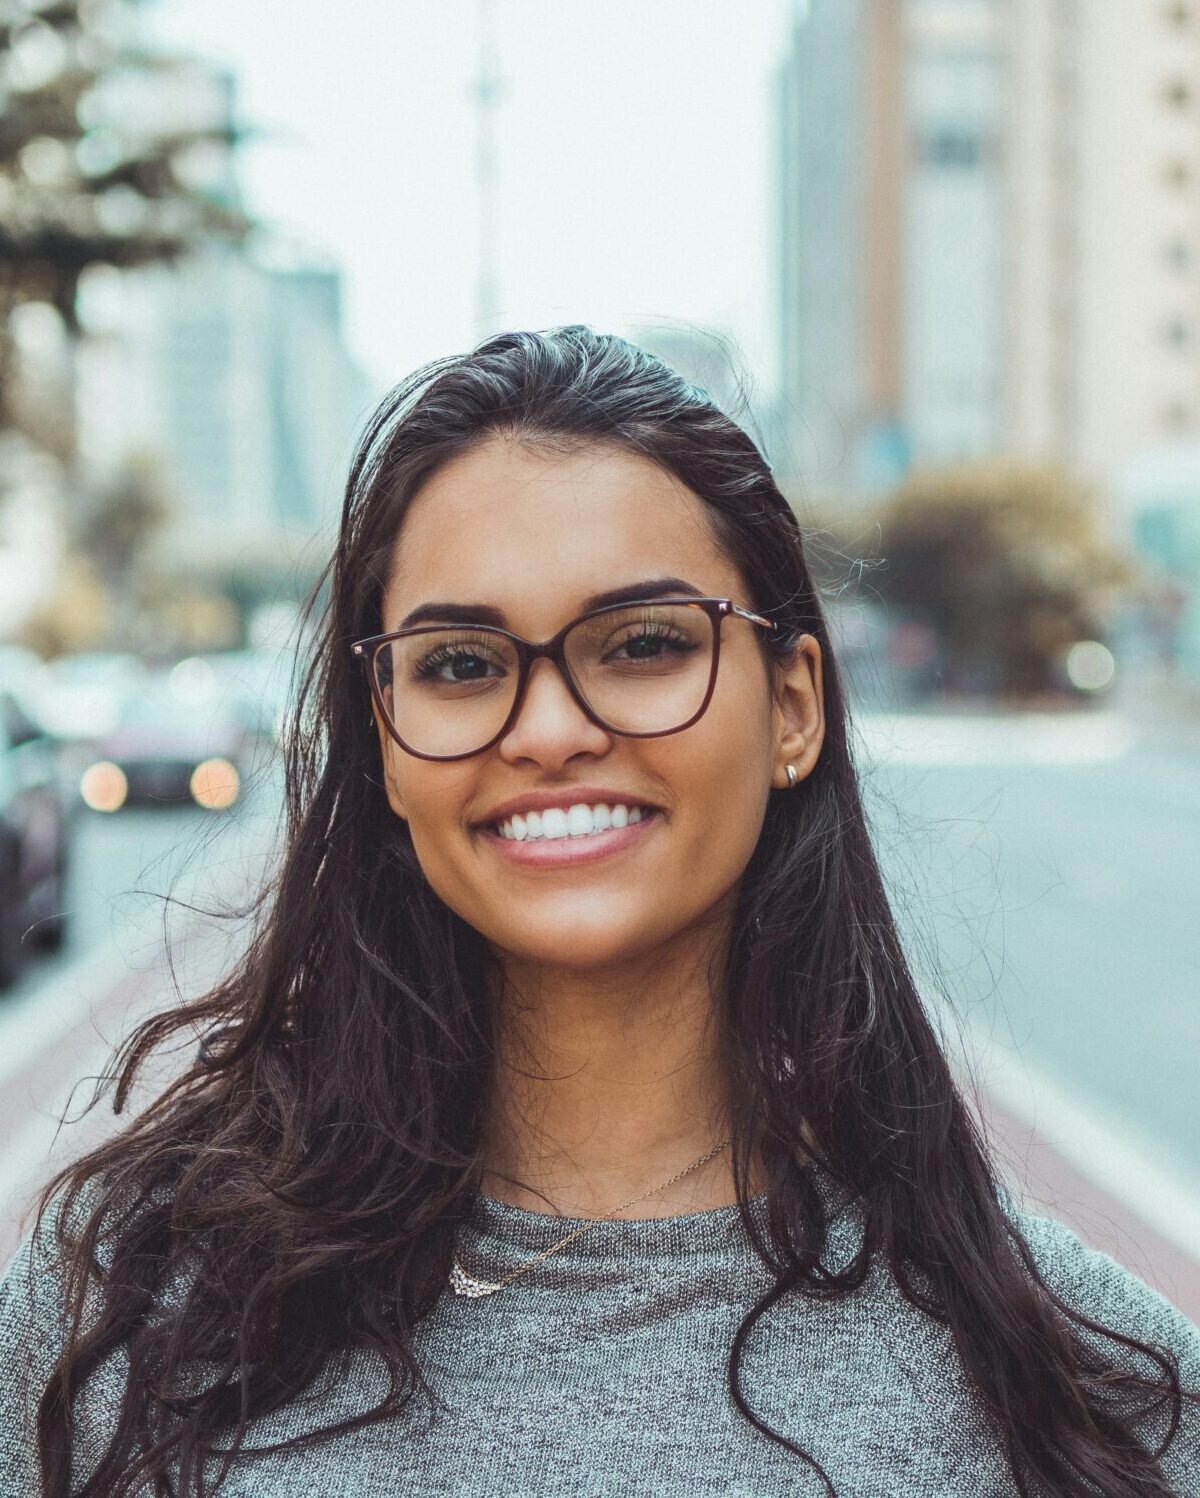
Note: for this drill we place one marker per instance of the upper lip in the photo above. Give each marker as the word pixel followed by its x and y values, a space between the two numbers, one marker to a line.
pixel 565 796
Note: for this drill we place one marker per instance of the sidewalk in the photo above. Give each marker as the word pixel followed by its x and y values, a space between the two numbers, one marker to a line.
pixel 1164 705
pixel 50 1065
pixel 1052 1187
pixel 1156 707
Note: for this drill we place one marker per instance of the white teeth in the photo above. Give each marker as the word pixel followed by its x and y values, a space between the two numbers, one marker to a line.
pixel 577 820
pixel 554 822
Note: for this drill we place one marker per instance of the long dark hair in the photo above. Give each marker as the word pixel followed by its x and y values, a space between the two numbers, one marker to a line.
pixel 297 1189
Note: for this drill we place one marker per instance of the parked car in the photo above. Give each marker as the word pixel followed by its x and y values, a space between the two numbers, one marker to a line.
pixel 34 833
pixel 251 685
pixel 82 696
pixel 165 750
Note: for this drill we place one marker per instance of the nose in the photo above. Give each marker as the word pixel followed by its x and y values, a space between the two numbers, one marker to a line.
pixel 550 726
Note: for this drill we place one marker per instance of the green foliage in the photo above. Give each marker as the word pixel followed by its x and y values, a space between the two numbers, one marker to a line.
pixel 1006 562
pixel 109 154
pixel 123 519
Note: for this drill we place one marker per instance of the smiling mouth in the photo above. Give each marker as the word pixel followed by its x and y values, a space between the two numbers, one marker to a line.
pixel 578 850
pixel 569 824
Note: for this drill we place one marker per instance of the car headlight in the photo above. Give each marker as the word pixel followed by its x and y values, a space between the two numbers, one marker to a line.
pixel 215 784
pixel 103 786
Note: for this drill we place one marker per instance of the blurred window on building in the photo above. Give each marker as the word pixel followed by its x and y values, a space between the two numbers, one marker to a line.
pixel 950 148
pixel 1178 93
pixel 1178 417
pixel 1178 13
pixel 1178 333
pixel 1178 254
pixel 1178 173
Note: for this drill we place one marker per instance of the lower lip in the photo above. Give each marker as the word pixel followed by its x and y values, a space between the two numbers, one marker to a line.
pixel 557 851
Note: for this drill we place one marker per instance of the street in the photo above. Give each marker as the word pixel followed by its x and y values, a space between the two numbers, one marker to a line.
pixel 1062 898
pixel 135 878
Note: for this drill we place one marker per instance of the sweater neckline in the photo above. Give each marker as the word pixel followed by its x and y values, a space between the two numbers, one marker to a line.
pixel 499 1230
pixel 497 1237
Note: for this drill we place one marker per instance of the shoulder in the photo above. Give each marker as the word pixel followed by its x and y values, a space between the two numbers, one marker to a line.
pixel 32 1336
pixel 35 1322
pixel 1093 1284
pixel 32 1294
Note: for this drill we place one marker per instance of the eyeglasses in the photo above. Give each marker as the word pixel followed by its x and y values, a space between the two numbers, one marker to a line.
pixel 448 691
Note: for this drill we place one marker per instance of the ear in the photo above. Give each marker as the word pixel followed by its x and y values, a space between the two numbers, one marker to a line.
pixel 388 758
pixel 799 712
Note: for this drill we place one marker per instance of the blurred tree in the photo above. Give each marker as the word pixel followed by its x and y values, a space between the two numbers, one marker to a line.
pixel 122 521
pixel 114 593
pixel 110 154
pixel 1006 563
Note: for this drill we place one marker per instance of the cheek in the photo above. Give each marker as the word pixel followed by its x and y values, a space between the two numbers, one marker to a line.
pixel 392 785
pixel 728 753
pixel 719 774
pixel 721 804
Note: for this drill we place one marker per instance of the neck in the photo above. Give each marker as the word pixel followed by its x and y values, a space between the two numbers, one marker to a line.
pixel 606 1085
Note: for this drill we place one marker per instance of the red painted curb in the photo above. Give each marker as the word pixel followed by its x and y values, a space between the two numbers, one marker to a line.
pixel 1054 1187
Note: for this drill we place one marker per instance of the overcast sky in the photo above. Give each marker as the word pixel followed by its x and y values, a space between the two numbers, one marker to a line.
pixel 635 146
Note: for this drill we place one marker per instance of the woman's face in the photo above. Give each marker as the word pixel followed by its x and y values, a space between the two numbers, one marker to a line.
pixel 535 534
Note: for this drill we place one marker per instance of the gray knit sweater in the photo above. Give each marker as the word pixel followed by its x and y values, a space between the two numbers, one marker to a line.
pixel 603 1372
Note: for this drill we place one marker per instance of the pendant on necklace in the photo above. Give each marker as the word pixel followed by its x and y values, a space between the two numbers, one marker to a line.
pixel 464 1284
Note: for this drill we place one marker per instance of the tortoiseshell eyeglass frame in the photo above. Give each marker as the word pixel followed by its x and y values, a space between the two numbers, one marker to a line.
pixel 528 651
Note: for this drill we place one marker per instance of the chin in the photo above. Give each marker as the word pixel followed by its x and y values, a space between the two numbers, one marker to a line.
pixel 583 946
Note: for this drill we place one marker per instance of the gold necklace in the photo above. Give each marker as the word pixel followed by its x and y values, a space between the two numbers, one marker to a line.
pixel 463 1283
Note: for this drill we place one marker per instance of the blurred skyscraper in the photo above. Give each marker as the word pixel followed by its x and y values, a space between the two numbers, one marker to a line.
pixel 990 231
pixel 953 233
pixel 840 198
pixel 230 371
pixel 1103 244
pixel 234 375
pixel 891 280
pixel 1102 315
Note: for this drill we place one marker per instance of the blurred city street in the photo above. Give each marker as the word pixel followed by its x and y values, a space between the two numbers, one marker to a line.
pixel 153 895
pixel 1044 868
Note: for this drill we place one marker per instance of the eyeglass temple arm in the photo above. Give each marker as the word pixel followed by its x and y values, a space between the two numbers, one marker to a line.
pixel 753 618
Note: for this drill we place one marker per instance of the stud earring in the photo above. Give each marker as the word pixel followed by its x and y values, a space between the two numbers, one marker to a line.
pixel 792 777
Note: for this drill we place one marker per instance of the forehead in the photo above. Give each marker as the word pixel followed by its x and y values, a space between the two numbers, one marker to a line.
pixel 534 531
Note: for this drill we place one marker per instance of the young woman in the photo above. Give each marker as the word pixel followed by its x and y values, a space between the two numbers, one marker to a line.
pixel 573 1125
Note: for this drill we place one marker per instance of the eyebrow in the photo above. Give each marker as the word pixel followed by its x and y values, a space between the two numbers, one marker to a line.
pixel 483 613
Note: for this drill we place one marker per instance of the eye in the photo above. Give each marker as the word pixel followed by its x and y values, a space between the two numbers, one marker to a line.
pixel 466 665
pixel 648 642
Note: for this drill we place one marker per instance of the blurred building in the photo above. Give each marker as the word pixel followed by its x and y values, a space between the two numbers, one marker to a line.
pixel 990 230
pixel 234 374
pixel 953 228
pixel 1102 314
pixel 891 284
pixel 1157 502
pixel 228 370
pixel 1103 307
pixel 841 131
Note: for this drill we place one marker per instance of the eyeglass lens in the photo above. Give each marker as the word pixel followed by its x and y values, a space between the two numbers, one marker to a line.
pixel 643 668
